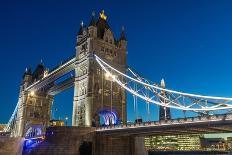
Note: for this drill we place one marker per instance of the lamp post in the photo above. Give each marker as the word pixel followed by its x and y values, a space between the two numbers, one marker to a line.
pixel 66 121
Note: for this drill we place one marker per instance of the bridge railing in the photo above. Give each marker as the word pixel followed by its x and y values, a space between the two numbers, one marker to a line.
pixel 220 117
pixel 63 62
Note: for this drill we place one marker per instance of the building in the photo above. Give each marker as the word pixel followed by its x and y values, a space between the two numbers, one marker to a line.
pixel 173 142
pixel 56 123
pixel 2 126
pixel 164 112
pixel 189 142
pixel 213 143
pixel 229 143
pixel 161 142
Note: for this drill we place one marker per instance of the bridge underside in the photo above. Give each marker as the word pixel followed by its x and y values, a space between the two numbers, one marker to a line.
pixel 170 129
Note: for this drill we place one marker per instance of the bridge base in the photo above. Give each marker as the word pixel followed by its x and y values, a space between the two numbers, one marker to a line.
pixel 10 146
pixel 85 141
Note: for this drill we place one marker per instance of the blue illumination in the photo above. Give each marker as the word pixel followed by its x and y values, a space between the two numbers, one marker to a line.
pixel 30 143
pixel 109 117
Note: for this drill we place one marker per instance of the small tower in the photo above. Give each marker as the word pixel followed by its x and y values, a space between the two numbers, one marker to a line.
pixel 164 112
pixel 27 77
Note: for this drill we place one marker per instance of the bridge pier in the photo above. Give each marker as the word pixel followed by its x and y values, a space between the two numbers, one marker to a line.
pixel 115 145
pixel 139 148
pixel 86 141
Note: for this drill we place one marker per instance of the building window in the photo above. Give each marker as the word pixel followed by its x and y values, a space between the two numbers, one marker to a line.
pixel 102 49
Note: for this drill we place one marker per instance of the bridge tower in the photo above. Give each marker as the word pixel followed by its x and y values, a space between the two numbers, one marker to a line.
pixel 33 114
pixel 97 99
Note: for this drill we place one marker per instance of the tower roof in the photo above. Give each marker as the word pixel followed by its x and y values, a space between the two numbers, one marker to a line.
pixel 27 72
pixel 39 71
pixel 102 25
pixel 123 36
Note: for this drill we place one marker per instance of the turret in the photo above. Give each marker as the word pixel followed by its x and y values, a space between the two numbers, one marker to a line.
pixel 162 83
pixel 92 29
pixel 122 40
pixel 38 72
pixel 27 77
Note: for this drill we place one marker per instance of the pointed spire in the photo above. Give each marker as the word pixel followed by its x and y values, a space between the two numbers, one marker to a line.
pixel 162 83
pixel 92 21
pixel 27 72
pixel 123 36
pixel 80 32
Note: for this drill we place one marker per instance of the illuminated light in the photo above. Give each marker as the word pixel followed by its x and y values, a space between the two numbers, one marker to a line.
pixel 45 74
pixel 102 15
pixel 100 61
pixel 107 74
pixel 32 93
pixel 109 117
pixel 106 67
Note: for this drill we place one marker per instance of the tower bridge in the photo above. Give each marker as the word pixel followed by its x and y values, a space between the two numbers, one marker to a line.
pixel 101 80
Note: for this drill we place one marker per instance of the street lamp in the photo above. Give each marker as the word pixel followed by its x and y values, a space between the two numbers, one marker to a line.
pixel 66 121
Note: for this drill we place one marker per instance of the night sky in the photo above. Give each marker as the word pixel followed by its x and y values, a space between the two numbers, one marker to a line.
pixel 188 43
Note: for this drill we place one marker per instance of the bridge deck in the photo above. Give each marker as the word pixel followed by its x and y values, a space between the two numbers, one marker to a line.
pixel 198 125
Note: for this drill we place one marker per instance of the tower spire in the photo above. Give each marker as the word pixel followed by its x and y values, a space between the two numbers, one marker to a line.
pixel 80 32
pixel 92 21
pixel 123 36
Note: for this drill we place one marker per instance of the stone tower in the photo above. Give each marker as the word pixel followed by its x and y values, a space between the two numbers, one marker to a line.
pixel 98 100
pixel 164 112
pixel 33 114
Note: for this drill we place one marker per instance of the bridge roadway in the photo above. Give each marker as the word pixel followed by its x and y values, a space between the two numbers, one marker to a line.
pixel 221 123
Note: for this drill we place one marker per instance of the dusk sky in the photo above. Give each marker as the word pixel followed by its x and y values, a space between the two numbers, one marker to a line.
pixel 188 43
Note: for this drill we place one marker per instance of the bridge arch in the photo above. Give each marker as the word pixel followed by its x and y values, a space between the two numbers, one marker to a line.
pixel 105 117
pixel 34 131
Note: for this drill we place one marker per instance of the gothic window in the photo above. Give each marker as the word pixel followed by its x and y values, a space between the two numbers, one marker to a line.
pixel 85 89
pixel 96 88
pixel 31 114
pixel 83 47
pixel 98 71
pixel 111 41
pixel 86 45
pixel 85 70
pixel 106 39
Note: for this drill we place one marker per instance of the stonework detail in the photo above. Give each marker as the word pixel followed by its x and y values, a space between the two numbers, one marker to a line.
pixel 92 94
pixel 34 107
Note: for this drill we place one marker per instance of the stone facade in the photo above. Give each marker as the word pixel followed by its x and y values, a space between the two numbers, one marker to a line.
pixel 92 94
pixel 33 113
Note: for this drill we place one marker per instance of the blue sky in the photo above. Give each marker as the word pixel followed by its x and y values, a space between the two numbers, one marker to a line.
pixel 188 43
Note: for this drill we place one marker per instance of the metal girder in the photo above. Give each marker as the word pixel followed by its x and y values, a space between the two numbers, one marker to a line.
pixel 56 89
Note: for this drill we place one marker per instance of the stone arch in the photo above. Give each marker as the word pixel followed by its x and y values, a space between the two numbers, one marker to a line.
pixel 105 117
pixel 34 131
